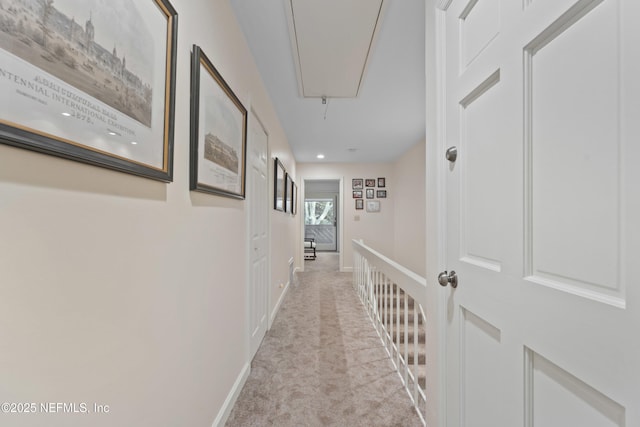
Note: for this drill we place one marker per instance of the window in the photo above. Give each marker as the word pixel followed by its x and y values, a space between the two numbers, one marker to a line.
pixel 319 212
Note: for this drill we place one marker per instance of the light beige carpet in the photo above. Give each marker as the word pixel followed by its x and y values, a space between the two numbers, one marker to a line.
pixel 322 363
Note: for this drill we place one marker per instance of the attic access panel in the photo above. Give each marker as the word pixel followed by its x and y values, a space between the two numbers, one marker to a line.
pixel 332 41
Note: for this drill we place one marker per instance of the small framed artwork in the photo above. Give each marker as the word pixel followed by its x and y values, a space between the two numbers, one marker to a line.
pixel 382 194
pixel 370 182
pixel 68 92
pixel 357 194
pixel 278 185
pixel 370 192
pixel 356 184
pixel 382 182
pixel 359 204
pixel 294 198
pixel 373 205
pixel 288 190
pixel 218 132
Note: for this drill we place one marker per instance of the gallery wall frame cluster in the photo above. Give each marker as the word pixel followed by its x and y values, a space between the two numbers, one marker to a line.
pixel 77 98
pixel 285 190
pixel 365 190
pixel 102 91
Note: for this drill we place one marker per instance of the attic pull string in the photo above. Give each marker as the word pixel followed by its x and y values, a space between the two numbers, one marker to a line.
pixel 326 102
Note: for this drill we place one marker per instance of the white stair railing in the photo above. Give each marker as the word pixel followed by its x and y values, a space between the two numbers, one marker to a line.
pixel 394 298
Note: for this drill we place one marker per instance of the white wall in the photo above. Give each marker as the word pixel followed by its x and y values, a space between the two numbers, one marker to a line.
pixel 410 205
pixel 128 292
pixel 285 233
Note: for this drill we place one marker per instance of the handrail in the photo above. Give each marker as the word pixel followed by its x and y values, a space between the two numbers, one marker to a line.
pixel 414 284
pixel 394 298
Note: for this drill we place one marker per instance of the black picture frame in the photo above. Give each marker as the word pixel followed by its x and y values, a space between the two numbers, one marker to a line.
pixel 278 185
pixel 359 204
pixel 381 194
pixel 218 132
pixel 370 182
pixel 370 193
pixel 357 194
pixel 288 205
pixel 357 184
pixel 124 122
pixel 382 182
pixel 294 198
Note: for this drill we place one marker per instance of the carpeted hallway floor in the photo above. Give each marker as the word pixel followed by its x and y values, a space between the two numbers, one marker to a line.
pixel 322 363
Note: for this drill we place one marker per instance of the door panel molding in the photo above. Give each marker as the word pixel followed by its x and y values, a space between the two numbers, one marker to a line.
pixel 547 384
pixel 574 61
pixel 480 194
pixel 479 26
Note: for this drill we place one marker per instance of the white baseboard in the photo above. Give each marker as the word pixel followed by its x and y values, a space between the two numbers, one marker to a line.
pixel 279 303
pixel 223 415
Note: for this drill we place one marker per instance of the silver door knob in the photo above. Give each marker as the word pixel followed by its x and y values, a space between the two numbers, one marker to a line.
pixel 452 154
pixel 445 278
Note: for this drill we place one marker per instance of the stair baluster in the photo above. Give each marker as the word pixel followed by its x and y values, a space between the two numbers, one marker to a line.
pixel 394 298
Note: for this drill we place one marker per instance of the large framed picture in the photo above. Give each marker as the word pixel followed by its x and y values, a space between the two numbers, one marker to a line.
pixel 278 185
pixel 218 132
pixel 92 81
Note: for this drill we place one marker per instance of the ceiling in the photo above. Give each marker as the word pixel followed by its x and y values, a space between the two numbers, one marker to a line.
pixel 374 50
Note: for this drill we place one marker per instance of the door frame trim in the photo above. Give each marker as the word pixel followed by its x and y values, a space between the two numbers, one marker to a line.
pixel 335 198
pixel 436 227
pixel 340 226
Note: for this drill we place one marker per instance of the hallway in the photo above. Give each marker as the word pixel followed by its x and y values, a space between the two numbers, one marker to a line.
pixel 322 363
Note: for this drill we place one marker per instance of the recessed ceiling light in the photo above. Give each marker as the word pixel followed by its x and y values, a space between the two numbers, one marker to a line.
pixel 66 114
pixel 134 143
pixel 111 133
pixel 320 156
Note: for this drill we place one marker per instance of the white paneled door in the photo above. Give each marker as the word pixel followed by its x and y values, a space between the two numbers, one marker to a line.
pixel 258 232
pixel 543 212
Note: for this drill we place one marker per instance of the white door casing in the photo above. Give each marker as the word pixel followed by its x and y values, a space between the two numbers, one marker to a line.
pixel 542 212
pixel 258 171
pixel 308 193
